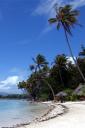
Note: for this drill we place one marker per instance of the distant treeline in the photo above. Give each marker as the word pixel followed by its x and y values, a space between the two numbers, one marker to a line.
pixel 14 96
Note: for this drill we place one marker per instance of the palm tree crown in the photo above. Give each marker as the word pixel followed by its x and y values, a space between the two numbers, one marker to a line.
pixel 65 17
pixel 39 62
pixel 60 60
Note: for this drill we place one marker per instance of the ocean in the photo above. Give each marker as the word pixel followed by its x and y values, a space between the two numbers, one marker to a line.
pixel 14 112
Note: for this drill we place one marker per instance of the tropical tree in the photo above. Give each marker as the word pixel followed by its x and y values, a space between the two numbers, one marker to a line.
pixel 66 18
pixel 22 85
pixel 41 71
pixel 39 62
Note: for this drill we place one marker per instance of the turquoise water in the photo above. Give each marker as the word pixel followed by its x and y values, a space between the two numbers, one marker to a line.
pixel 14 112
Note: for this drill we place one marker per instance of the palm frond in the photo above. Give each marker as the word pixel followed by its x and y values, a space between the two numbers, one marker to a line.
pixel 66 17
pixel 34 60
pixel 74 13
pixel 52 20
pixel 58 25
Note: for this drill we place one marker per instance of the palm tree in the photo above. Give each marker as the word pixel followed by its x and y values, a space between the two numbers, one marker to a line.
pixel 66 17
pixel 40 65
pixel 40 61
pixel 60 62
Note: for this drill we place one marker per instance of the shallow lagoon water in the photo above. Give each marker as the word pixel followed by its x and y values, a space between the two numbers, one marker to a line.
pixel 14 112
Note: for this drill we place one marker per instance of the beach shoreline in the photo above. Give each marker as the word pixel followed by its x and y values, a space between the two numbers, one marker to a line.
pixel 54 110
pixel 72 116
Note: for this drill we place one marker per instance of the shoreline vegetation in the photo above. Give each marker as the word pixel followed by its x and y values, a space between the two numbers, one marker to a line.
pixel 64 73
pixel 46 82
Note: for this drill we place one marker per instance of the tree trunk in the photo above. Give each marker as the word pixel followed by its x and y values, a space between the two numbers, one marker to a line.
pixel 50 88
pixel 73 56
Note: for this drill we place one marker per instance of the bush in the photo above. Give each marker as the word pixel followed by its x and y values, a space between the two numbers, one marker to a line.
pixel 43 97
pixel 68 91
pixel 73 97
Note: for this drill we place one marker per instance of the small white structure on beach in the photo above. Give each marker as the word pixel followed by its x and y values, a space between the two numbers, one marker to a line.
pixel 60 96
pixel 80 90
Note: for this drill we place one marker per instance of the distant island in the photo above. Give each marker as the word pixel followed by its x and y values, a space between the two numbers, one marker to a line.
pixel 13 96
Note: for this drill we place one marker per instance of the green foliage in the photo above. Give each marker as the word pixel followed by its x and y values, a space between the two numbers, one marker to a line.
pixel 45 82
pixel 73 98
pixel 22 85
pixel 43 97
pixel 65 17
pixel 68 91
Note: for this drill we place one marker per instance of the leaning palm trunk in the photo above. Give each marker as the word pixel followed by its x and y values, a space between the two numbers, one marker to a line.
pixel 67 18
pixel 73 56
pixel 50 88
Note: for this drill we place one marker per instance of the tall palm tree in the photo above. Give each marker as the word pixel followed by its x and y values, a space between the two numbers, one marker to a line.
pixel 40 66
pixel 66 17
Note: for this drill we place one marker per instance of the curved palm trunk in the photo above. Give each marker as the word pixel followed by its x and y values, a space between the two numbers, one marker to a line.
pixel 50 88
pixel 48 85
pixel 73 56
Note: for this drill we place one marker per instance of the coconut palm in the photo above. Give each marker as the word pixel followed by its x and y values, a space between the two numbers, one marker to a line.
pixel 40 65
pixel 40 61
pixel 66 18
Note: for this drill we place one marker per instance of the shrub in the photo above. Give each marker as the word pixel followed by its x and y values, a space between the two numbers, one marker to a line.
pixel 73 98
pixel 43 97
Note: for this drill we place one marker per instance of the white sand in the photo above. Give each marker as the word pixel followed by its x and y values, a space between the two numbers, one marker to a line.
pixel 74 118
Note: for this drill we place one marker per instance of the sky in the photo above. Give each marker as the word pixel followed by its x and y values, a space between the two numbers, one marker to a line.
pixel 25 32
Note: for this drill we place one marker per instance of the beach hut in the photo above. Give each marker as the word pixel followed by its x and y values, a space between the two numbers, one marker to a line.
pixel 80 91
pixel 60 96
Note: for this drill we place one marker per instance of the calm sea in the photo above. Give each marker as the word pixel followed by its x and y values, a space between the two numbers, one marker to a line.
pixel 14 112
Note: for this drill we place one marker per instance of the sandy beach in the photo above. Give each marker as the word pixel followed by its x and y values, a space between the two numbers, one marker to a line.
pixel 74 117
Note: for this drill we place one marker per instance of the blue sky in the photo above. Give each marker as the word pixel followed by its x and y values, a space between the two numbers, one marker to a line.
pixel 25 32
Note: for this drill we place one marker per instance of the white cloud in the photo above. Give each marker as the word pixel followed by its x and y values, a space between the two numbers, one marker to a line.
pixel 70 59
pixel 9 83
pixel 21 73
pixel 77 3
pixel 46 7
